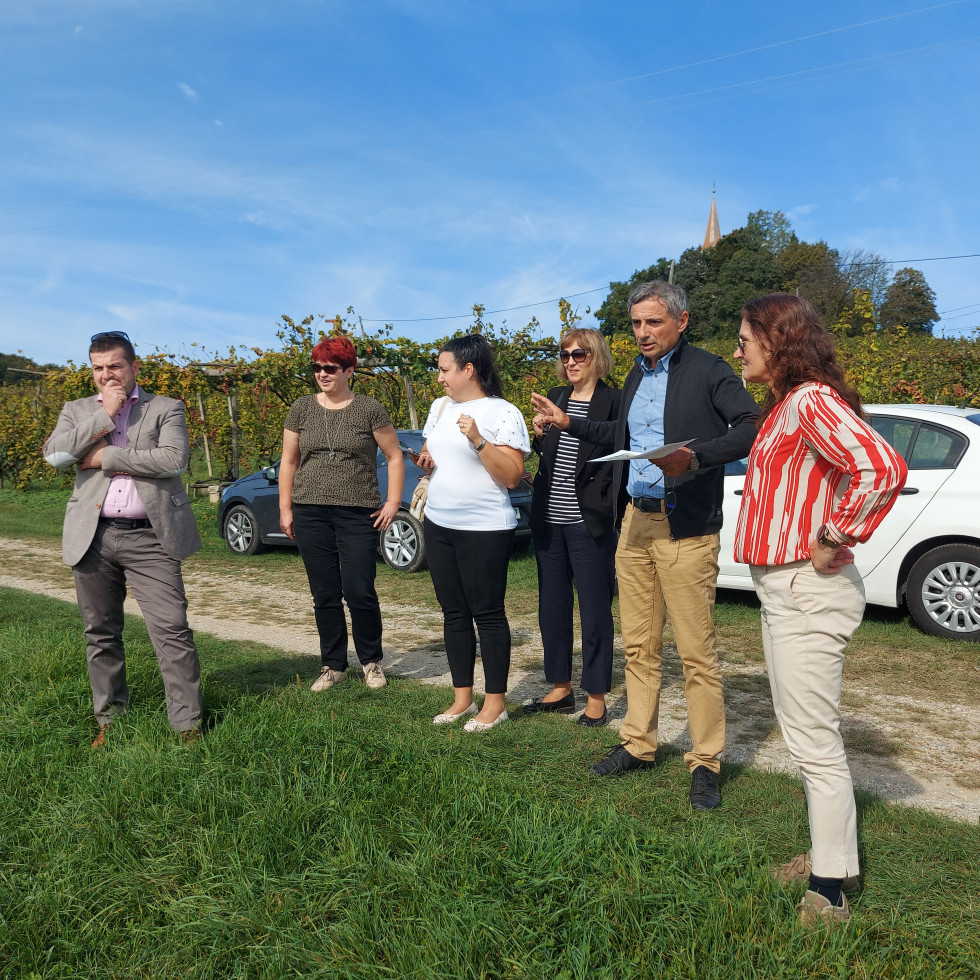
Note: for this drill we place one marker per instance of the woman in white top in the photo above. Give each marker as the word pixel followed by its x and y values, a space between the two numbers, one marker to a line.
pixel 475 446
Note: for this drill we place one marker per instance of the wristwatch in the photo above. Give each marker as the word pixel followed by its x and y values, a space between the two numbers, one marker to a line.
pixel 695 463
pixel 479 449
pixel 824 538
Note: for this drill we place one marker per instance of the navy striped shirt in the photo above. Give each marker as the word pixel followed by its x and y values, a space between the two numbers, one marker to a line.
pixel 563 505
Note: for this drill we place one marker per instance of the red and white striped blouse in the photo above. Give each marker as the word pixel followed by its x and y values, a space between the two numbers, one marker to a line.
pixel 814 462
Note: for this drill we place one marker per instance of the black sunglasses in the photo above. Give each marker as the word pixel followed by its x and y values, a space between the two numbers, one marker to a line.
pixel 117 334
pixel 578 355
pixel 326 368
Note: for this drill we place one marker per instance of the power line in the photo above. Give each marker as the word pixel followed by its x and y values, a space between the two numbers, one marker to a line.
pixel 546 302
pixel 463 316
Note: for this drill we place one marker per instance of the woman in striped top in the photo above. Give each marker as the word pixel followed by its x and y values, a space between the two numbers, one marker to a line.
pixel 572 516
pixel 819 481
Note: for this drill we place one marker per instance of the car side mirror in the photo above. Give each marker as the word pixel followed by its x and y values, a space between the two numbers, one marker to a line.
pixel 271 474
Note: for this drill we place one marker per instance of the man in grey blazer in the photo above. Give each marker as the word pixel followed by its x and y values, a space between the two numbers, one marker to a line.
pixel 129 524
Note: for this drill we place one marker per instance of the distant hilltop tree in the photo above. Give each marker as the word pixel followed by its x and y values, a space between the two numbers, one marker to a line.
pixel 764 256
pixel 909 303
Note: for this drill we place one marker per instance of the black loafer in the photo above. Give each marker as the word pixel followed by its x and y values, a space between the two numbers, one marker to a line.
pixel 563 706
pixel 705 794
pixel 588 722
pixel 618 761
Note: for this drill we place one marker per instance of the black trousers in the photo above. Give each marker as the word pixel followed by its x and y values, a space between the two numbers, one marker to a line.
pixel 339 548
pixel 568 553
pixel 469 574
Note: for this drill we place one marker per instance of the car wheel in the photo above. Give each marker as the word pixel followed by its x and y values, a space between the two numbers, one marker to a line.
pixel 943 593
pixel 401 545
pixel 241 532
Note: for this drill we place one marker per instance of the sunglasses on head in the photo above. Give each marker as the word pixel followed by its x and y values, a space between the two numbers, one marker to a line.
pixel 117 334
pixel 578 355
pixel 325 368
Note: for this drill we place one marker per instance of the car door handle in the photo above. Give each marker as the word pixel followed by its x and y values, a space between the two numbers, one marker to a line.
pixel 908 491
pixel 738 493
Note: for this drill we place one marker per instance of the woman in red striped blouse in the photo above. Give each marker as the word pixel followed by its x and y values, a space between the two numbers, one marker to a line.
pixel 819 481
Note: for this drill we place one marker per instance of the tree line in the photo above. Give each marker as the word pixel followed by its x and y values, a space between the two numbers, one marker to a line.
pixel 237 401
pixel 767 256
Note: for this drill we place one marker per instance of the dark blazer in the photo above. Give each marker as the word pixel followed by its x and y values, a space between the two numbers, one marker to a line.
pixel 594 482
pixel 705 402
pixel 156 457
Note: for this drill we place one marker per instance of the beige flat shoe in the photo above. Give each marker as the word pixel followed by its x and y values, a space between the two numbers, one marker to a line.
pixel 484 726
pixel 448 717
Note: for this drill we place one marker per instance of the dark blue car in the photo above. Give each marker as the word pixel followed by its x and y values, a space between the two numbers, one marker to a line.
pixel 248 515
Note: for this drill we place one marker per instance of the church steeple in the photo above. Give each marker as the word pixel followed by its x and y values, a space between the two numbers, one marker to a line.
pixel 713 234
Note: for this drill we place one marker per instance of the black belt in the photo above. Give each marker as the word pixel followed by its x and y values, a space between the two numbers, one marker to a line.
pixel 651 505
pixel 127 523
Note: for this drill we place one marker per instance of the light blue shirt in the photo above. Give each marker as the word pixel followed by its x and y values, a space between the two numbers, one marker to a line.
pixel 646 424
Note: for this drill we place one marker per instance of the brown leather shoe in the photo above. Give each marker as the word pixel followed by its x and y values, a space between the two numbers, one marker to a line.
pixel 191 736
pixel 817 913
pixel 799 870
pixel 100 740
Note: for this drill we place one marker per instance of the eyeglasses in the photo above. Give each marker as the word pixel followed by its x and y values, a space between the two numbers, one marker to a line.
pixel 578 355
pixel 117 334
pixel 325 368
pixel 742 344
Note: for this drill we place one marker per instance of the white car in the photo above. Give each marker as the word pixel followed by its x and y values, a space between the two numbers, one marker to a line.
pixel 926 552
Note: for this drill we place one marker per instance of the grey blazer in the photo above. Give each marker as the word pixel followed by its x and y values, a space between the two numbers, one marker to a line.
pixel 156 455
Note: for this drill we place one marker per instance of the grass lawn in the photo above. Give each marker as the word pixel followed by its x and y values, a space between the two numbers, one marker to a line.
pixel 342 835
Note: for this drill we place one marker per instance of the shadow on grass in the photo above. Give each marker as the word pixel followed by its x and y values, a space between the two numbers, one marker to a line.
pixel 262 677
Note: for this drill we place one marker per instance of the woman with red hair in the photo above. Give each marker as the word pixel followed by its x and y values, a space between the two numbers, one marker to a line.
pixel 330 505
pixel 819 481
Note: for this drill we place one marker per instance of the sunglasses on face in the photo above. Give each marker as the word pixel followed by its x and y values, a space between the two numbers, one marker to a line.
pixel 578 355
pixel 325 368
pixel 742 344
pixel 116 334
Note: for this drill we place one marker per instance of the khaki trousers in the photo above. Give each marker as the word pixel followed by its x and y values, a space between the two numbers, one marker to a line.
pixel 659 576
pixel 807 620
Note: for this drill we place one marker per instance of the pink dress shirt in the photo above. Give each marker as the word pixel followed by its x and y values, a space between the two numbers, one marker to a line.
pixel 121 499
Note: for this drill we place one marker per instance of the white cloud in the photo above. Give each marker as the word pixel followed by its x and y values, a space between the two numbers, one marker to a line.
pixel 801 211
pixel 887 185
pixel 79 28
pixel 218 122
pixel 188 91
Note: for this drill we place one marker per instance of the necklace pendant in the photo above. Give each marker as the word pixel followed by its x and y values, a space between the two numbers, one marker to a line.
pixel 331 455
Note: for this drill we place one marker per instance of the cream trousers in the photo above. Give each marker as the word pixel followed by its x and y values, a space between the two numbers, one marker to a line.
pixel 807 620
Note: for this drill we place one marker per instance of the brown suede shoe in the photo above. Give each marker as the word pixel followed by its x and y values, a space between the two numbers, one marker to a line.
pixel 100 740
pixel 816 912
pixel 191 736
pixel 799 869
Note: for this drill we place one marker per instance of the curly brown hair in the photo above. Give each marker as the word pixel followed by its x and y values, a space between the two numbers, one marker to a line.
pixel 798 347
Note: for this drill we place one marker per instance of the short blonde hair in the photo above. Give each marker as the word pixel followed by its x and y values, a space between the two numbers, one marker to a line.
pixel 591 340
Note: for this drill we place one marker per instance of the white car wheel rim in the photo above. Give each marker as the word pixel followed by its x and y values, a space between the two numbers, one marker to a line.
pixel 401 544
pixel 240 532
pixel 951 596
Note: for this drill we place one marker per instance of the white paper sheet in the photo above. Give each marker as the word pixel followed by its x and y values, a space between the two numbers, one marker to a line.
pixel 647 454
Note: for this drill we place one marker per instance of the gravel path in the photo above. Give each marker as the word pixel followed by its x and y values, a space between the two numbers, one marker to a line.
pixel 925 753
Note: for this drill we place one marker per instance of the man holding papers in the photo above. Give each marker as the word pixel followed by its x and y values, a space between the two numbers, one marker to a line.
pixel 667 559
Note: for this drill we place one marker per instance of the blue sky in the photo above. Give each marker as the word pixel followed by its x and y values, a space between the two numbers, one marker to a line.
pixel 189 170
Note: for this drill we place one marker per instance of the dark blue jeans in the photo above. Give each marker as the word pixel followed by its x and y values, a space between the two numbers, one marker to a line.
pixel 339 548
pixel 469 575
pixel 568 553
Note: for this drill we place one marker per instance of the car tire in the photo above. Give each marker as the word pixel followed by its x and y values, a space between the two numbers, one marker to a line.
pixel 401 545
pixel 943 592
pixel 241 532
